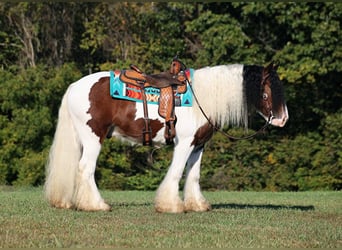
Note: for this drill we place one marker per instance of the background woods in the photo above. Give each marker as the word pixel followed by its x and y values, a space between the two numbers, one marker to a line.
pixel 46 46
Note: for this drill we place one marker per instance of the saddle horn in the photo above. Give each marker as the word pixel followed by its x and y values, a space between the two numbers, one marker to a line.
pixel 177 65
pixel 135 68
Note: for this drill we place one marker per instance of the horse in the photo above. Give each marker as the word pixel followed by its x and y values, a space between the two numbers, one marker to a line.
pixel 88 115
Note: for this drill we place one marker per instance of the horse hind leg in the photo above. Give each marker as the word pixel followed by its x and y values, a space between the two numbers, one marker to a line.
pixel 87 196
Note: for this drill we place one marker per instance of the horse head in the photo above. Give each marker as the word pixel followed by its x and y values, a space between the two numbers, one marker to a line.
pixel 272 105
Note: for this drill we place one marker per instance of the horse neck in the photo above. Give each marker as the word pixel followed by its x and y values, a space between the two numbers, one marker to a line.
pixel 220 92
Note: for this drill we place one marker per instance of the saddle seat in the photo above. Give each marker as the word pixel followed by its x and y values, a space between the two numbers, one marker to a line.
pixel 164 79
pixel 169 83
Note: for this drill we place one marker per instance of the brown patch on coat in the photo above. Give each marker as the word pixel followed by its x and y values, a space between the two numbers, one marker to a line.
pixel 107 112
pixel 203 134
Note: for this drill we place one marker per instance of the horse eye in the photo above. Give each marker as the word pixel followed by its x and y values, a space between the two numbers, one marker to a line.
pixel 264 96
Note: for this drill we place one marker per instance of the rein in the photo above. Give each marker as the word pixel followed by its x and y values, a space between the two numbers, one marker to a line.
pixel 248 137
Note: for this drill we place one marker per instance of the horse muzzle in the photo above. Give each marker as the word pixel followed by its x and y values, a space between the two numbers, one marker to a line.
pixel 280 120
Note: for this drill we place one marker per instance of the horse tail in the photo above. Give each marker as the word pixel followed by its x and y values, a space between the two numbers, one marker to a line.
pixel 64 157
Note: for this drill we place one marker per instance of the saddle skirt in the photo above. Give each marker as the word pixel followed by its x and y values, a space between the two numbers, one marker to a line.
pixel 126 91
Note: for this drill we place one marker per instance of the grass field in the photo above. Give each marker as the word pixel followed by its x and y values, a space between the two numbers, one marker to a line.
pixel 238 219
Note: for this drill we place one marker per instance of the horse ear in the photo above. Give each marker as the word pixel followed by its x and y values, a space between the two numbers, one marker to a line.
pixel 275 65
pixel 268 68
pixel 272 65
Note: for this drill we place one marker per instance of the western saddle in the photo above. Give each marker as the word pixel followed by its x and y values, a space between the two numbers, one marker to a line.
pixel 169 83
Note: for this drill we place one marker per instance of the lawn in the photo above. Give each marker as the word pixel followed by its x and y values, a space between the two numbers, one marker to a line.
pixel 238 219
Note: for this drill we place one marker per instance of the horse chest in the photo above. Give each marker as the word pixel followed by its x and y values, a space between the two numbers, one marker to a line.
pixel 203 134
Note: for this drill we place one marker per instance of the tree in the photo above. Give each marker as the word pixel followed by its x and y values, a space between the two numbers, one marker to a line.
pixel 22 17
pixel 146 34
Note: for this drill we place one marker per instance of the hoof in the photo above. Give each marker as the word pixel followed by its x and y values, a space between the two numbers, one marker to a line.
pixel 193 206
pixel 105 207
pixel 169 207
pixel 92 208
pixel 61 204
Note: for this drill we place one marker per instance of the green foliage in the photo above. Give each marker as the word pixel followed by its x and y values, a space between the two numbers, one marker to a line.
pixel 123 166
pixel 306 162
pixel 222 39
pixel 36 39
pixel 164 25
pixel 327 163
pixel 133 32
pixel 28 109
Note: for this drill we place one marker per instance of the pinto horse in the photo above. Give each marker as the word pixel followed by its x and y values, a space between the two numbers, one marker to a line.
pixel 88 115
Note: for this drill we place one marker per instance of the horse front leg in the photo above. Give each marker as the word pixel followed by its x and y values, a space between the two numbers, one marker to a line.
pixel 193 198
pixel 167 198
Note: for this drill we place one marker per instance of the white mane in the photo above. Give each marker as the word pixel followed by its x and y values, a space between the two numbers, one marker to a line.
pixel 220 93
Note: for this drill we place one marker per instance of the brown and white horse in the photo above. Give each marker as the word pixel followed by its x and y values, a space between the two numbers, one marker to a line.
pixel 88 114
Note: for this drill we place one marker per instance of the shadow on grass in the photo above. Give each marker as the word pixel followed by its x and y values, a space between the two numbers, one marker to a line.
pixel 261 206
pixel 131 204
pixel 224 206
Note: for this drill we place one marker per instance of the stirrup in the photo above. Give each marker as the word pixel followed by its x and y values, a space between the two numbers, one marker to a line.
pixel 170 132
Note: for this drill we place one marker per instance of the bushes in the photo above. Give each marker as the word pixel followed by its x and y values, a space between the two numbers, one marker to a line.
pixel 29 102
pixel 306 162
pixel 122 166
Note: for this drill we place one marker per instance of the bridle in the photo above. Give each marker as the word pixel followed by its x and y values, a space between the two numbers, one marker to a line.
pixel 248 137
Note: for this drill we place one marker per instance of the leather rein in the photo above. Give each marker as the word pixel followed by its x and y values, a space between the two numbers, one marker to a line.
pixel 248 137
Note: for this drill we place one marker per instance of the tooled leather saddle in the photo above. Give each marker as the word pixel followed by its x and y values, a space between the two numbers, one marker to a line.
pixel 169 83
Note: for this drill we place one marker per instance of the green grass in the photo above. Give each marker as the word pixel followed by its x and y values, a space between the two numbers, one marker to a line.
pixel 238 219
